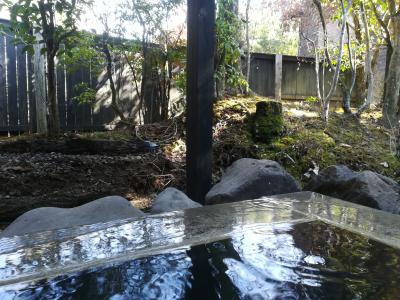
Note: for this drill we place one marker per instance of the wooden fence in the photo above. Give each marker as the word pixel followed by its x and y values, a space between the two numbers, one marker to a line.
pixel 284 77
pixel 293 77
pixel 17 97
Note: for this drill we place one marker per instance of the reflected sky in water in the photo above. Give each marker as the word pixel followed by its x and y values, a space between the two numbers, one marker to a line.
pixel 283 261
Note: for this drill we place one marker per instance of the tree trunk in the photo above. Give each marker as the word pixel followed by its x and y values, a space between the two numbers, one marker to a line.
pixel 346 100
pixel 326 98
pixel 148 89
pixel 114 96
pixel 390 107
pixel 52 46
pixel 389 53
pixel 360 72
pixel 248 69
pixel 347 90
pixel 54 115
pixel 368 64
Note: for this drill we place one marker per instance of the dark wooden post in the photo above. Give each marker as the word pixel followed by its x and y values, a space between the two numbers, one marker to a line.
pixel 200 96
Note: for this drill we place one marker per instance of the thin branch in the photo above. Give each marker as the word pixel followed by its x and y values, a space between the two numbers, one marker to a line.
pixel 351 60
pixel 384 25
pixel 336 76
pixel 317 64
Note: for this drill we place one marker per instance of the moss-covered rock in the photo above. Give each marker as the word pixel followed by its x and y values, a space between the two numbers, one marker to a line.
pixel 267 122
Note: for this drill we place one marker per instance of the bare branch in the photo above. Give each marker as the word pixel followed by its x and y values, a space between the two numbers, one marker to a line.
pixel 383 24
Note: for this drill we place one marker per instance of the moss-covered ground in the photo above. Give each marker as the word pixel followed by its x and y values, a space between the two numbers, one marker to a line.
pixel 308 142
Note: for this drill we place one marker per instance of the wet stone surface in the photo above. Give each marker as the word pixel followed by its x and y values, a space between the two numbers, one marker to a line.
pixel 279 246
pixel 309 260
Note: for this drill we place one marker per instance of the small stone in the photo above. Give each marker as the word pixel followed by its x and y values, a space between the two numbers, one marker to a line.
pixel 172 199
pixel 385 164
pixel 345 145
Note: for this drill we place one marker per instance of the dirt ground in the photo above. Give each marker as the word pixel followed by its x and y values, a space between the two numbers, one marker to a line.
pixel 52 179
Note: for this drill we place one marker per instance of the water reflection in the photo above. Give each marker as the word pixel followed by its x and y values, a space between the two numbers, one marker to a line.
pixel 283 261
pixel 158 277
pixel 75 249
pixel 262 260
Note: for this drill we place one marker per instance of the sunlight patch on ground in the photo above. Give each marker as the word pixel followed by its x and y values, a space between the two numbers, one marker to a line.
pixel 295 112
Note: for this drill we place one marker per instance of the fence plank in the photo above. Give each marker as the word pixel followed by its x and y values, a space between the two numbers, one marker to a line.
pixel 3 92
pixel 103 114
pixel 262 76
pixel 22 87
pixel 84 110
pixel 79 111
pixel 12 84
pixel 98 119
pixel 71 107
pixel 31 95
pixel 61 97
pixel 289 79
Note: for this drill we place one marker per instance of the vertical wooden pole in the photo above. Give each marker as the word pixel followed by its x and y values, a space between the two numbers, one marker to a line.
pixel 200 97
pixel 40 88
pixel 278 77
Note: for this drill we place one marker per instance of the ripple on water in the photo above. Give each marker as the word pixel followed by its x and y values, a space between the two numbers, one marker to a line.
pixel 287 261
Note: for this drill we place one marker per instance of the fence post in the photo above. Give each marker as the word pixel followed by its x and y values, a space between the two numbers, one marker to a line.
pixel 278 77
pixel 40 87
pixel 200 96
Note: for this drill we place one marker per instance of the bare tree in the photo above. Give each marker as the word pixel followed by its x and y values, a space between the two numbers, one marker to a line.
pixel 110 77
pixel 326 98
pixel 347 90
pixel 248 58
pixel 368 62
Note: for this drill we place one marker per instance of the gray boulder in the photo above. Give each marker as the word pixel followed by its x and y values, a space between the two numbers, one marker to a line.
pixel 365 188
pixel 249 179
pixel 50 218
pixel 172 199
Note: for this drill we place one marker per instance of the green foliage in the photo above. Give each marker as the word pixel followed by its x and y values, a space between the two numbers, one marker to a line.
pixel 55 20
pixel 228 29
pixel 83 54
pixel 312 99
pixel 86 95
pixel 180 82
pixel 151 15
pixel 278 42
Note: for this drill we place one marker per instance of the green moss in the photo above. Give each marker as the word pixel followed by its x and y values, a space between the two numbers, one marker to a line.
pixel 361 145
pixel 267 122
pixel 267 128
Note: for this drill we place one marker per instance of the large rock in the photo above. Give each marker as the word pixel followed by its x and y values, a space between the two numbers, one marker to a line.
pixel 172 199
pixel 50 218
pixel 249 179
pixel 365 188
